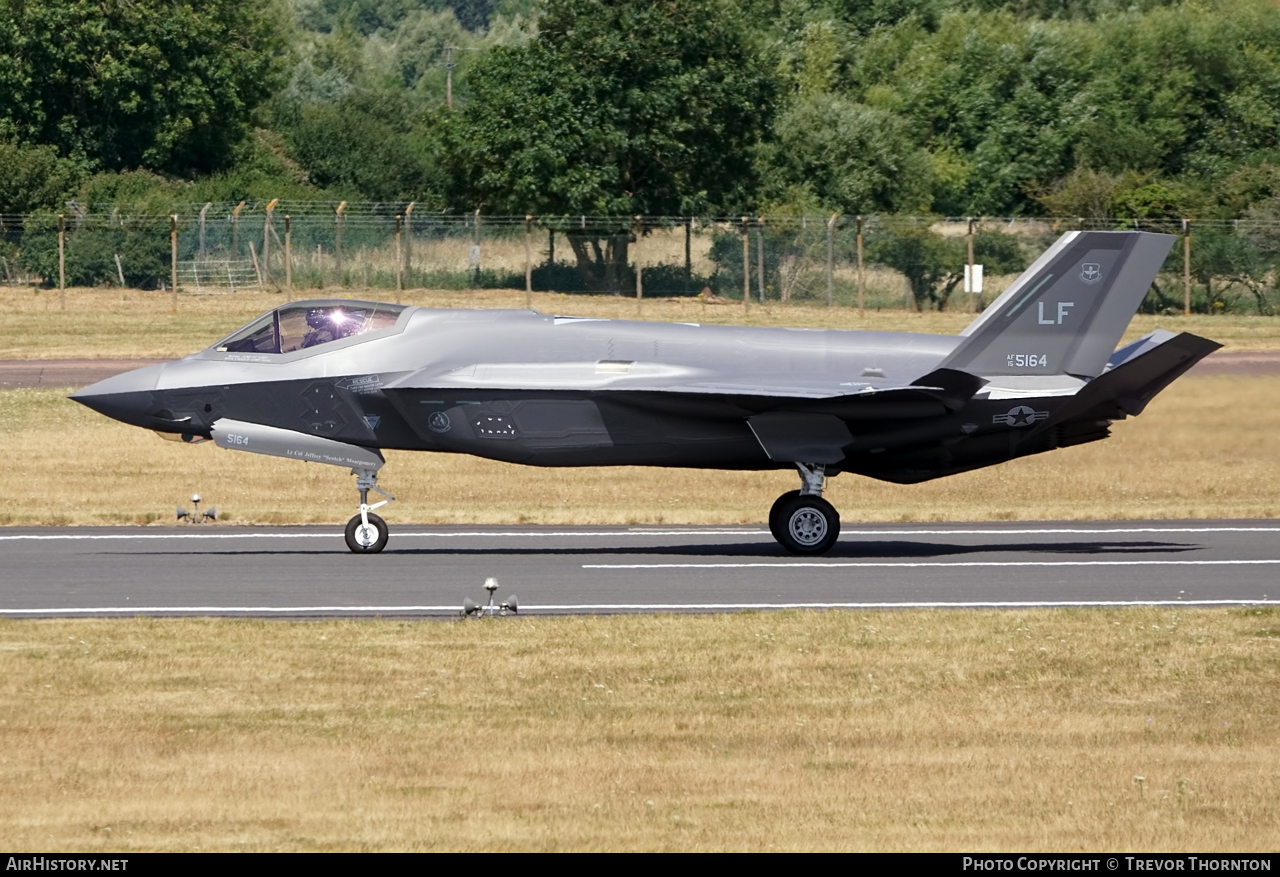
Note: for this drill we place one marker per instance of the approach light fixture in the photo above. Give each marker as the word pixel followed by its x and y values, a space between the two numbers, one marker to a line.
pixel 197 516
pixel 471 607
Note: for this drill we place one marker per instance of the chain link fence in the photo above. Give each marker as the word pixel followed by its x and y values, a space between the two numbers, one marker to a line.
pixel 306 248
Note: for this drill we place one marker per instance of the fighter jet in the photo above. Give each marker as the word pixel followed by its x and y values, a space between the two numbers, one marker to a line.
pixel 337 381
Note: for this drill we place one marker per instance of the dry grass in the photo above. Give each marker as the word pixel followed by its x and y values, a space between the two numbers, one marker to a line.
pixel 104 323
pixel 1205 448
pixel 1132 730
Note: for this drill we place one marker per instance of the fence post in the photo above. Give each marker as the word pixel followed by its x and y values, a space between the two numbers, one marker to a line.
pixel 173 257
pixel 267 231
pixel 746 266
pixel 475 250
pixel 639 267
pixel 861 285
pixel 1186 267
pixel 203 211
pixel 760 256
pixel 408 241
pixel 288 259
pixel 235 230
pixel 528 261
pixel 831 261
pixel 62 262
pixel 337 241
pixel 551 246
pixel 973 281
pixel 257 267
pixel 399 260
pixel 688 254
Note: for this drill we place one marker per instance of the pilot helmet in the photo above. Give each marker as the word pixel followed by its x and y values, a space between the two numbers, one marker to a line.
pixel 318 318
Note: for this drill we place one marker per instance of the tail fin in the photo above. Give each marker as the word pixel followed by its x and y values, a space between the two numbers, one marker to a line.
pixel 1066 313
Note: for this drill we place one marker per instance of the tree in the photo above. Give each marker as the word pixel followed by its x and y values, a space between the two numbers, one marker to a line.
pixel 167 86
pixel 619 108
pixel 371 144
pixel 934 264
pixel 34 177
pixel 852 158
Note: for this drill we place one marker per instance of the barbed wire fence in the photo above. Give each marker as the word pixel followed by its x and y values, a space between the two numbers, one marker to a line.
pixel 305 248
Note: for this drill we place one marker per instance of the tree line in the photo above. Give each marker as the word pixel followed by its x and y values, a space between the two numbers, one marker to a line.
pixel 1078 108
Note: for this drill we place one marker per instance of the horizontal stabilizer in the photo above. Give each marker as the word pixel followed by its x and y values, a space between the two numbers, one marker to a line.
pixel 1127 388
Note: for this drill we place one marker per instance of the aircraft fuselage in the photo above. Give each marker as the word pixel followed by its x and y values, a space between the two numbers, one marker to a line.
pixel 523 387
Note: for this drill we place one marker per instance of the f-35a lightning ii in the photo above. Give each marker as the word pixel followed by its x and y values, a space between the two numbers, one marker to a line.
pixel 337 381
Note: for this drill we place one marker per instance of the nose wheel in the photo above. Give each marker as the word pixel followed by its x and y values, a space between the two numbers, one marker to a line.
pixel 367 537
pixel 801 520
pixel 366 532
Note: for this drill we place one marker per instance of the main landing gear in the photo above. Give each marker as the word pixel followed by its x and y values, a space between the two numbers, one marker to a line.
pixel 801 520
pixel 366 532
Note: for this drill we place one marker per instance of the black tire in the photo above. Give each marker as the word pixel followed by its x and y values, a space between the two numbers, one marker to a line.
pixel 775 513
pixel 808 525
pixel 359 546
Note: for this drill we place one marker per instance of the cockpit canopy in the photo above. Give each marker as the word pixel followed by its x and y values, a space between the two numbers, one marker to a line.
pixel 310 324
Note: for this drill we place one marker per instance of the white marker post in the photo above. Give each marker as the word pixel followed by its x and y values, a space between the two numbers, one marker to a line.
pixel 973 279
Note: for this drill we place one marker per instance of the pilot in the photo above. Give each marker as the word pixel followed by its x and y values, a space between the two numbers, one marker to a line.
pixel 321 331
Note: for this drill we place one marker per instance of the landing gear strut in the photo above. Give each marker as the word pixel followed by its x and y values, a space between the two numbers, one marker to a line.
pixel 366 532
pixel 801 520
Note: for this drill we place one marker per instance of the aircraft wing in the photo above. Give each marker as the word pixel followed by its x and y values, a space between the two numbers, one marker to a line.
pixel 941 390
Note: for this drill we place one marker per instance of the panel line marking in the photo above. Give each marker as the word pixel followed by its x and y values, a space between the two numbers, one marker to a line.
pixel 650 607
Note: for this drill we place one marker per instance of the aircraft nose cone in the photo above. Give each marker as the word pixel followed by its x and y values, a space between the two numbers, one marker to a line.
pixel 126 397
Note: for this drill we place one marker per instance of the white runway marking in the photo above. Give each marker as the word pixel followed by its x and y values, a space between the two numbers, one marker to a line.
pixel 836 564
pixel 396 534
pixel 633 607
pixel 541 534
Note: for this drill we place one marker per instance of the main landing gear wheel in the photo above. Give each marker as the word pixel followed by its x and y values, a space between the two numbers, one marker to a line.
pixel 806 524
pixel 775 513
pixel 369 539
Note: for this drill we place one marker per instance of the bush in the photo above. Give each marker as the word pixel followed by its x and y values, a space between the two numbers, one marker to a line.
pixel 91 248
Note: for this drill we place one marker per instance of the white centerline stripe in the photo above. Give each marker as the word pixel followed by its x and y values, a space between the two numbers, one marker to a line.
pixel 836 564
pixel 541 534
pixel 641 607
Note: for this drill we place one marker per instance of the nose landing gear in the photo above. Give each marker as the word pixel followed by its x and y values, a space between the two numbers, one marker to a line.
pixel 801 520
pixel 366 532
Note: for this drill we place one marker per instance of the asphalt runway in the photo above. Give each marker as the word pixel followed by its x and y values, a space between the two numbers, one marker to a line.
pixel 208 569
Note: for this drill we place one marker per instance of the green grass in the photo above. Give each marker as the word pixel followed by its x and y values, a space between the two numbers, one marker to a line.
pixel 911 730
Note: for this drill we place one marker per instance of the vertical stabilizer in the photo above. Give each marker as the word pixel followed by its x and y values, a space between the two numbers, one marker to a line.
pixel 1067 312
